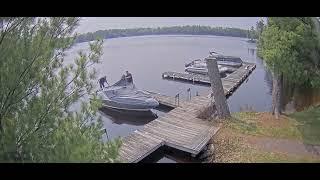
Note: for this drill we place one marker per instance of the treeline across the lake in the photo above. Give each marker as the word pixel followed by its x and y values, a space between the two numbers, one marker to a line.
pixel 174 30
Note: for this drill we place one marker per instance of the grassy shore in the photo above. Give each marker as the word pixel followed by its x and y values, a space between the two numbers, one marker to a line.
pixel 309 125
pixel 259 137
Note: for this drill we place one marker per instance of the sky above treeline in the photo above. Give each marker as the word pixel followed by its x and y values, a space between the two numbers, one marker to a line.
pixel 92 24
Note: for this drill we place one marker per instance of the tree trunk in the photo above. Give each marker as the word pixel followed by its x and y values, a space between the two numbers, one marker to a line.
pixel 276 95
pixel 274 85
pixel 219 97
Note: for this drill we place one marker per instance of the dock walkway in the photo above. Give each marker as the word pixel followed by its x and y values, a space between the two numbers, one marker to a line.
pixel 180 128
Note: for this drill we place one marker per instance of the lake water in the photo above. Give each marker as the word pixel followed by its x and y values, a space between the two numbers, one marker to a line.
pixel 147 57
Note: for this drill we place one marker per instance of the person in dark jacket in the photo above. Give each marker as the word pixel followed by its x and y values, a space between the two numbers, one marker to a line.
pixel 129 77
pixel 102 81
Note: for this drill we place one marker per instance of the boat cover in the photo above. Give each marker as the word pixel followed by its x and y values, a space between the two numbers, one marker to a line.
pixel 125 95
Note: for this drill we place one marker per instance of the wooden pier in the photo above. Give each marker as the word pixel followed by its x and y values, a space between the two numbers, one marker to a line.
pixel 165 100
pixel 180 128
pixel 229 83
pixel 237 75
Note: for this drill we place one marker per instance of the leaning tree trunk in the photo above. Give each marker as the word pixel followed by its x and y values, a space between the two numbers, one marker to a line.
pixel 276 95
pixel 219 97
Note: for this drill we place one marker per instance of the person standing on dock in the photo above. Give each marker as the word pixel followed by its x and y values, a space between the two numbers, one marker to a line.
pixel 102 81
pixel 128 77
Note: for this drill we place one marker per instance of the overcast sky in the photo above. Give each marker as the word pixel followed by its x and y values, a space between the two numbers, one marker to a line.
pixel 91 24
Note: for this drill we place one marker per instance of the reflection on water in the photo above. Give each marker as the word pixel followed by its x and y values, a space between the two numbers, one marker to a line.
pixel 126 117
pixel 252 51
pixel 119 123
pixel 294 98
pixel 166 159
pixel 255 92
pixel 167 154
pixel 268 80
pixel 299 98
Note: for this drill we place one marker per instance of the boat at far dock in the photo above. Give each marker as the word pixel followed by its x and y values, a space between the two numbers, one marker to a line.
pixel 226 64
pixel 230 61
pixel 200 67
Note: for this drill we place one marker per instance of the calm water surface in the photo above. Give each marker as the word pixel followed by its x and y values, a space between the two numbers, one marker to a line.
pixel 147 57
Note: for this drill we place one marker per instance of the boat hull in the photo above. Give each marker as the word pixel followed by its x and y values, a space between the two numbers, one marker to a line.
pixel 128 107
pixel 129 117
pixel 231 64
pixel 204 71
pixel 231 61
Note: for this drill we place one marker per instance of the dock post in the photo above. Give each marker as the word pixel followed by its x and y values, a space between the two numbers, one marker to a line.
pixel 176 99
pixel 189 91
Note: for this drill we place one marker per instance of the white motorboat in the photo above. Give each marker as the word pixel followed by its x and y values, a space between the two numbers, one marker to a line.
pixel 125 96
pixel 230 61
pixel 200 67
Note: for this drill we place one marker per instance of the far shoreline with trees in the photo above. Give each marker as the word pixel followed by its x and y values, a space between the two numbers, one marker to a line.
pixel 173 30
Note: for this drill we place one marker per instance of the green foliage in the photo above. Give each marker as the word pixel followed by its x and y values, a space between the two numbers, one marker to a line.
pixel 191 30
pixel 38 90
pixel 290 46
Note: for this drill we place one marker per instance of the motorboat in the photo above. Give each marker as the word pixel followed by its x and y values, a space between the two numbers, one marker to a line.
pixel 230 61
pixel 200 67
pixel 125 96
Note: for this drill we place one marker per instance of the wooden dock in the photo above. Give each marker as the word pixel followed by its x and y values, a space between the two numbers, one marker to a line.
pixel 180 128
pixel 229 83
pixel 237 75
pixel 165 100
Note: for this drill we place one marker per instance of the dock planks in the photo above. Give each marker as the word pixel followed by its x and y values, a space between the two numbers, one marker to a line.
pixel 180 128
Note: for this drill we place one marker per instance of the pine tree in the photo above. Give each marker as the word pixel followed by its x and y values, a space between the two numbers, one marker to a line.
pixel 37 90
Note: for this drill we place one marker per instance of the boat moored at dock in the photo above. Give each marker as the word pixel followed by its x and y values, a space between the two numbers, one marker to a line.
pixel 125 96
pixel 231 61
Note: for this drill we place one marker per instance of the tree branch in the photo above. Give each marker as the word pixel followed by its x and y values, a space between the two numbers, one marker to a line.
pixel 9 29
pixel 21 77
